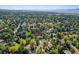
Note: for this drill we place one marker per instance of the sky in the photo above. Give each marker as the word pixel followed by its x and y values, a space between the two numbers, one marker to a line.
pixel 38 7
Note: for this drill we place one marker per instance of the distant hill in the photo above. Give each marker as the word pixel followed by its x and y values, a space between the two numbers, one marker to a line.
pixel 67 11
pixel 74 11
